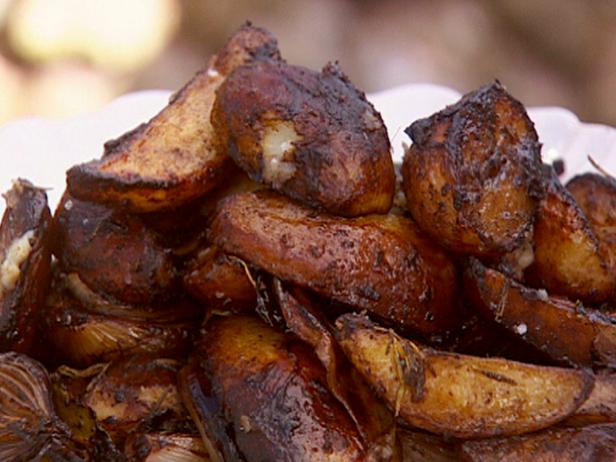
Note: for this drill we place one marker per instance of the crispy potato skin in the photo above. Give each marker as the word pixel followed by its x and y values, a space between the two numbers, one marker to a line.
pixel 458 395
pixel 596 443
pixel 266 391
pixel 566 331
pixel 22 299
pixel 220 281
pixel 312 136
pixel 381 263
pixel 569 259
pixel 174 158
pixel 471 175
pixel 113 253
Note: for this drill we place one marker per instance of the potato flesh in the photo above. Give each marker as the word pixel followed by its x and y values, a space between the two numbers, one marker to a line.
pixel 268 390
pixel 381 263
pixel 471 175
pixel 567 332
pixel 458 395
pixel 569 259
pixel 174 158
pixel 312 136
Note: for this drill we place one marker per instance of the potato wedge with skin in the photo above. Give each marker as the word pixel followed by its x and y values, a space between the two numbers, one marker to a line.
pixel 174 158
pixel 221 281
pixel 113 253
pixel 381 263
pixel 570 260
pixel 595 443
pixel 596 195
pixel 459 395
pixel 374 421
pixel 471 177
pixel 260 395
pixel 312 136
pixel 24 265
pixel 566 331
pixel 600 406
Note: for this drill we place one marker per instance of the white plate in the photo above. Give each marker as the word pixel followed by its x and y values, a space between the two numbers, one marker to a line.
pixel 42 149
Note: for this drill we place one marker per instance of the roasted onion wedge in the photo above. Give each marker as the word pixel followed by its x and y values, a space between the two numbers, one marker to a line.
pixel 310 135
pixel 258 394
pixel 569 258
pixel 165 447
pixel 29 426
pixel 459 395
pixel 566 331
pixel 595 443
pixel 471 177
pixel 24 265
pixel 374 421
pixel 221 281
pixel 173 158
pixel 113 253
pixel 134 393
pixel 381 263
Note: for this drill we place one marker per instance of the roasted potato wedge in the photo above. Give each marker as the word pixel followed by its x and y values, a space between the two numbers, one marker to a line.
pixel 459 395
pixel 165 447
pixel 471 175
pixel 381 263
pixel 569 258
pixel 24 265
pixel 600 406
pixel 596 443
pixel 134 393
pixel 113 253
pixel 312 136
pixel 258 394
pixel 374 421
pixel 221 281
pixel 424 447
pixel 566 331
pixel 79 337
pixel 174 158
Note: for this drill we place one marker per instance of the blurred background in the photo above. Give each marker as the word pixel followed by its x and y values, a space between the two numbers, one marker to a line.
pixel 61 57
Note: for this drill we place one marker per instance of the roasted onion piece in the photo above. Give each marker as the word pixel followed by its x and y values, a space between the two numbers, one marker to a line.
pixel 258 394
pixel 310 135
pixel 113 253
pixel 460 395
pixel 471 177
pixel 165 447
pixel 173 158
pixel 29 426
pixel 381 263
pixel 135 393
pixel 24 265
pixel 570 260
pixel 221 281
pixel 595 443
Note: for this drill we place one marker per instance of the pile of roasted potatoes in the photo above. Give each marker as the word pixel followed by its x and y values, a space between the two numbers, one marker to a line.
pixel 249 277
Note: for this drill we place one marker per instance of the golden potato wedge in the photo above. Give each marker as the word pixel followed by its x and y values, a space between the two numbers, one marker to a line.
pixel 312 136
pixel 459 395
pixel 81 336
pixel 471 176
pixel 257 394
pixel 595 443
pixel 569 259
pixel 566 331
pixel 381 263
pixel 221 281
pixel 134 393
pixel 374 421
pixel 174 158
pixel 24 265
pixel 113 253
